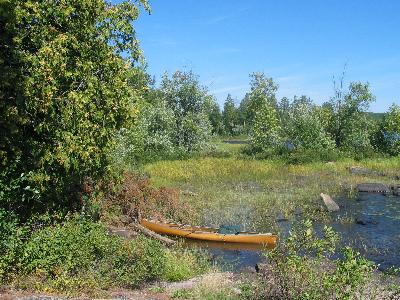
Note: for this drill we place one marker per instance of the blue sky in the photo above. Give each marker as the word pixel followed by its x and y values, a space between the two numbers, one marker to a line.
pixel 301 44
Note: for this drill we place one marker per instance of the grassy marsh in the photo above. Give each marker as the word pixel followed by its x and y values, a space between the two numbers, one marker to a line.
pixel 253 193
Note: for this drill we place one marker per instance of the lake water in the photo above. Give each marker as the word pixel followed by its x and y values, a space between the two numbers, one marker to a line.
pixel 369 223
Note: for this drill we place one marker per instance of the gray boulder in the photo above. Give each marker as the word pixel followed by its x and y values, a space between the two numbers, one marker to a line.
pixel 329 203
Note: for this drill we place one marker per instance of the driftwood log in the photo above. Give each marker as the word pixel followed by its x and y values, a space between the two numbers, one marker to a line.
pixel 130 234
pixel 166 241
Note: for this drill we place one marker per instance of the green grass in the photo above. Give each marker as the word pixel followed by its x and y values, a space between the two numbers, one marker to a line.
pixel 252 192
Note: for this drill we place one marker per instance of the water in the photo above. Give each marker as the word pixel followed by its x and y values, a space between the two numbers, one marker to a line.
pixel 373 227
pixel 370 224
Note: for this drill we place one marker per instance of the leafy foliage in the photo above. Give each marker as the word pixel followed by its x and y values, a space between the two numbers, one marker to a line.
pixel 151 137
pixel 391 129
pixel 64 93
pixel 183 94
pixel 304 268
pixel 262 91
pixel 79 255
pixel 266 133
pixel 230 117
pixel 211 109
pixel 304 127
pixel 349 125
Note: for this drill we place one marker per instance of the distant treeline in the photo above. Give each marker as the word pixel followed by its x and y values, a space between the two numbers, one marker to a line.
pixel 180 116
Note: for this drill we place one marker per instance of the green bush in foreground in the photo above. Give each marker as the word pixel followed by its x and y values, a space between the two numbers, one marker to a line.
pixel 185 264
pixel 80 256
pixel 304 268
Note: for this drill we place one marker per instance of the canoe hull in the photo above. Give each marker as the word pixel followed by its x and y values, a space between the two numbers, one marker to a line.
pixel 207 234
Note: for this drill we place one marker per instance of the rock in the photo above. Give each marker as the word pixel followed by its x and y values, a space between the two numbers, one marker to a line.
pixel 373 188
pixel 329 203
pixel 365 220
pixel 395 190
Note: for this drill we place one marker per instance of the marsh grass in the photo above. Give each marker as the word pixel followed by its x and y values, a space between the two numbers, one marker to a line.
pixel 252 193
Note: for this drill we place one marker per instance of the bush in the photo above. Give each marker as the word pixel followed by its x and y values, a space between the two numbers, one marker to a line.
pixel 80 255
pixel 304 268
pixel 136 196
pixel 11 241
pixel 185 264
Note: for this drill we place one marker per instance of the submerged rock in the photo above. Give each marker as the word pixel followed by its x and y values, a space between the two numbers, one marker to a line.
pixel 365 220
pixel 329 203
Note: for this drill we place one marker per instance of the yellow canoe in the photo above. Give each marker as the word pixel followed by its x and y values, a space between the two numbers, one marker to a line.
pixel 209 234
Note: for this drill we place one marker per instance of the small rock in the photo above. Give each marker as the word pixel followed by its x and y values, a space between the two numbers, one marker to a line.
pixel 329 203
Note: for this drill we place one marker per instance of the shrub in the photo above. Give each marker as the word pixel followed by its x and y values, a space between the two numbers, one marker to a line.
pixel 11 241
pixel 80 254
pixel 304 268
pixel 185 264
pixel 136 196
pixel 304 126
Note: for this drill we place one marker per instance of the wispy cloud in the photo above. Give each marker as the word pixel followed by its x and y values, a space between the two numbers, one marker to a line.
pixel 222 18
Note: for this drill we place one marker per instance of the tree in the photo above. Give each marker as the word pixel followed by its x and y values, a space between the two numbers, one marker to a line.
pixel 304 127
pixel 64 94
pixel 213 112
pixel 183 94
pixel 230 116
pixel 151 137
pixel 349 124
pixel 266 131
pixel 391 129
pixel 262 90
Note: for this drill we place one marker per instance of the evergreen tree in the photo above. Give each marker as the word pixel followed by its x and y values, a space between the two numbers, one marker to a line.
pixel 230 116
